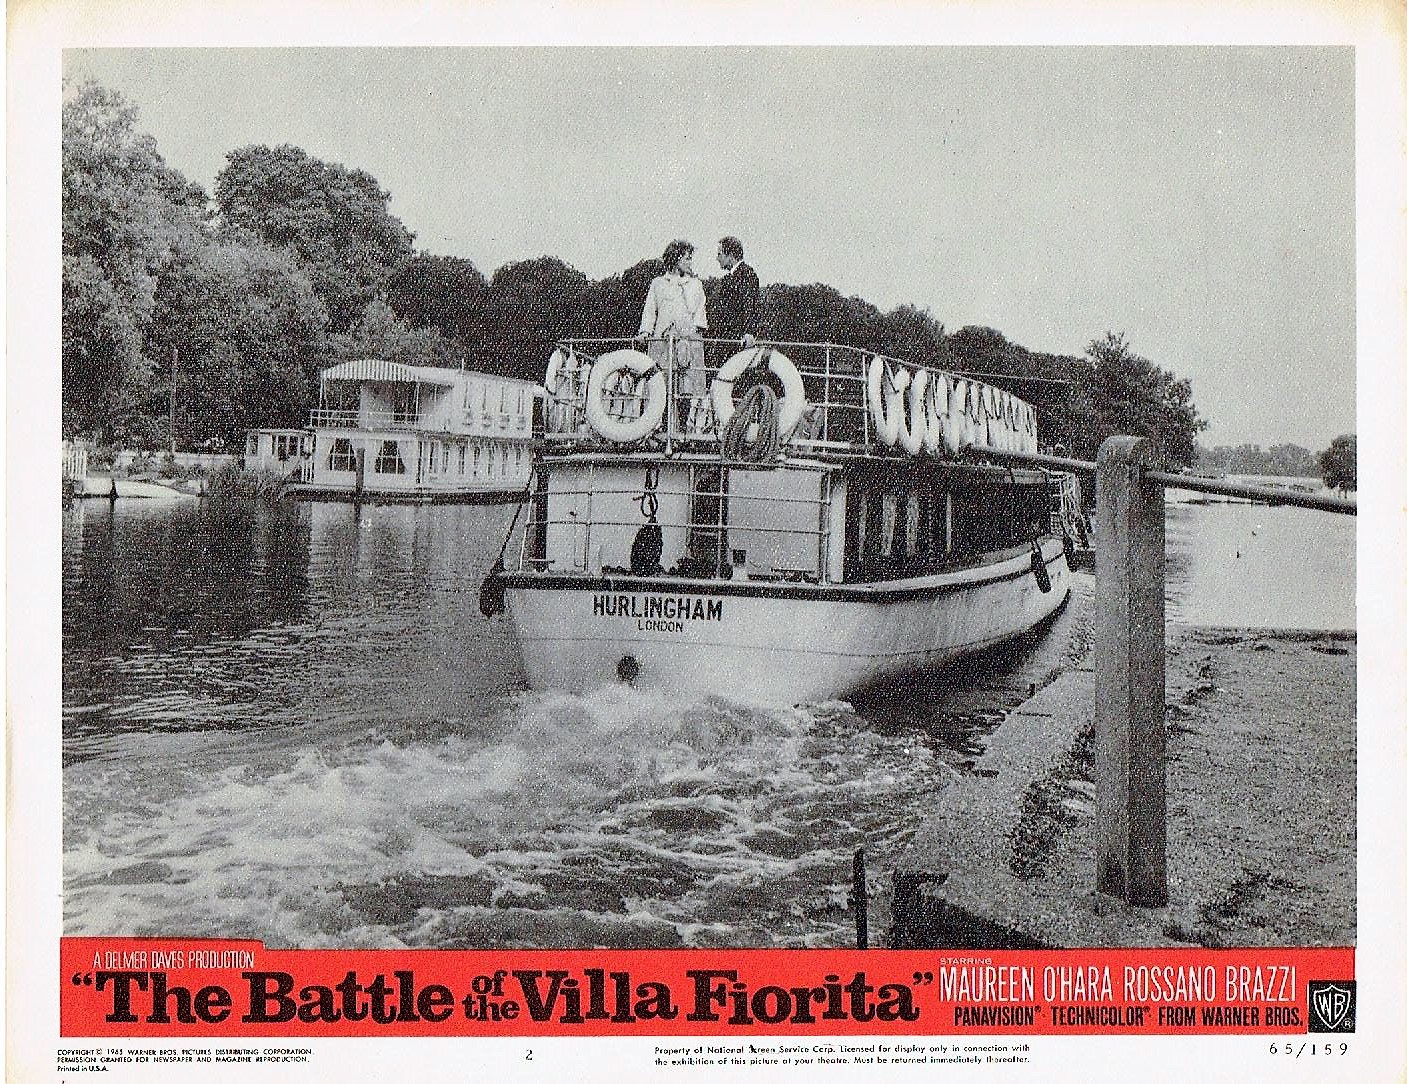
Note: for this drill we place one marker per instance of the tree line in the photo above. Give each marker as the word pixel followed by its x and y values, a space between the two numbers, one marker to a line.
pixel 241 296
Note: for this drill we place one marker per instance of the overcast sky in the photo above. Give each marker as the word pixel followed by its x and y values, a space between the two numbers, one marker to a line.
pixel 1199 200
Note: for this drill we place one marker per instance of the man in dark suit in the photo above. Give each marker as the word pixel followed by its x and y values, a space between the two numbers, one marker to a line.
pixel 732 311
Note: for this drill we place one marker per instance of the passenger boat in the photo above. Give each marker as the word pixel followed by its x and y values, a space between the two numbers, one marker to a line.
pixel 814 525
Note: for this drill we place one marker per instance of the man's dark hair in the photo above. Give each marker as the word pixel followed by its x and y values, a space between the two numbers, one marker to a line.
pixel 732 246
pixel 674 252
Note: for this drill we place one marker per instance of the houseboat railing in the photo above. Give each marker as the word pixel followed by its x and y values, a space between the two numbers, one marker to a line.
pixel 357 419
pixel 839 417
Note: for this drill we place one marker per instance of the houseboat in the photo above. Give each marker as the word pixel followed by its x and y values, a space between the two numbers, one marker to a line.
pixel 810 526
pixel 393 432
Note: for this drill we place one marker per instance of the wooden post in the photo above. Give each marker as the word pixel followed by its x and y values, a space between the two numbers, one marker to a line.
pixel 1130 742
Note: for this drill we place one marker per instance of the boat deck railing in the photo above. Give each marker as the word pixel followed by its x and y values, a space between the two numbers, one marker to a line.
pixel 590 511
pixel 838 420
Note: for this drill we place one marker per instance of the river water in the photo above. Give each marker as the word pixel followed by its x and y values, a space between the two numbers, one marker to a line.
pixel 294 725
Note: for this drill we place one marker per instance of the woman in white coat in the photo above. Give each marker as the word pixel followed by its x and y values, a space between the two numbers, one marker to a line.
pixel 674 311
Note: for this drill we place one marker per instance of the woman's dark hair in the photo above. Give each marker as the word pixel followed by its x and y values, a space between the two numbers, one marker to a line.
pixel 674 252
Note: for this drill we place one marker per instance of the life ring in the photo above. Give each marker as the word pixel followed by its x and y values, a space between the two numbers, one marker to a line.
pixel 562 383
pixel 621 429
pixel 935 407
pixel 793 405
pixel 913 423
pixel 886 395
pixel 551 382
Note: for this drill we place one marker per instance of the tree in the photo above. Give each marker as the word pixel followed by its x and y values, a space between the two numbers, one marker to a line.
pixel 1125 393
pixel 125 216
pixel 530 305
pixel 382 334
pixel 1338 463
pixel 336 220
pixel 249 335
pixel 441 292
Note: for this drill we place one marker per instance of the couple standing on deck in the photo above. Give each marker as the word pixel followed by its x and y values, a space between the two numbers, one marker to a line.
pixel 675 308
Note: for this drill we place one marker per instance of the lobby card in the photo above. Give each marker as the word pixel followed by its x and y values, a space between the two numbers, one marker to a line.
pixel 284 804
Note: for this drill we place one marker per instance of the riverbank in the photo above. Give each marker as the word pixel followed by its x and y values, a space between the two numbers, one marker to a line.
pixel 1261 809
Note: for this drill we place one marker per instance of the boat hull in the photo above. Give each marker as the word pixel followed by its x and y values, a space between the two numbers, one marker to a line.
pixel 770 643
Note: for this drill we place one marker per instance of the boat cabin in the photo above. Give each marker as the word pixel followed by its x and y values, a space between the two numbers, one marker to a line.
pixel 866 484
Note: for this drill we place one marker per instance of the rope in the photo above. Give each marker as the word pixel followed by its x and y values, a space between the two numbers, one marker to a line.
pixel 759 407
pixel 649 500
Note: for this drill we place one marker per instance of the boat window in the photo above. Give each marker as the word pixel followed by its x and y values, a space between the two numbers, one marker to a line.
pixel 463 451
pixel 388 459
pixel 341 457
pixel 477 453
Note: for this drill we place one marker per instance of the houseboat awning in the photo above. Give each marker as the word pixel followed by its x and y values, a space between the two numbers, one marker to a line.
pixel 389 372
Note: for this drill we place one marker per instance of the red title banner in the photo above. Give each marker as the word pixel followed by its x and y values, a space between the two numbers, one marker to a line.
pixel 170 987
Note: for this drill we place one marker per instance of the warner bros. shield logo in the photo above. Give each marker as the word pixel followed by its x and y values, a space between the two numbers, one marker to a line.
pixel 1332 1005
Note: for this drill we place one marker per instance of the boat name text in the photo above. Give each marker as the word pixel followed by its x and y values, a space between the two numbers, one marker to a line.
pixel 670 607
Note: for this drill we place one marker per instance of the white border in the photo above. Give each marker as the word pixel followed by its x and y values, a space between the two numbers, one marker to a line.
pixel 38 33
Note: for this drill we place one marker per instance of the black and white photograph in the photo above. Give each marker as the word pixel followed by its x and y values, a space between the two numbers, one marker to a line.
pixel 697 495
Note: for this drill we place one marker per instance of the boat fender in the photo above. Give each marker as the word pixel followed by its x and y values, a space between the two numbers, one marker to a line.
pixel 1038 567
pixel 913 424
pixel 779 365
pixel 935 406
pixel 955 425
pixel 1069 544
pixel 646 550
pixel 886 391
pixel 491 591
pixel 625 430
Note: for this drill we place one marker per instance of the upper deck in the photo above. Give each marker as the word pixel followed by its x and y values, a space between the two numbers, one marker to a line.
pixel 836 402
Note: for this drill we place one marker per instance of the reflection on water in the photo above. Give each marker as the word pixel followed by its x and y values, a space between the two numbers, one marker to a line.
pixel 294 725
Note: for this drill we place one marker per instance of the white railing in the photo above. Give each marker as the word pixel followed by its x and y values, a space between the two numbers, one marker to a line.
pixel 840 416
pixel 364 419
pixel 711 557
pixel 75 462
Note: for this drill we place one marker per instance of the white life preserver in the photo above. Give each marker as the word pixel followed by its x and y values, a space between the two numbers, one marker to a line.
pixel 551 383
pixel 562 383
pixel 913 422
pixel 779 365
pixel 935 419
pixel 886 395
pixel 621 429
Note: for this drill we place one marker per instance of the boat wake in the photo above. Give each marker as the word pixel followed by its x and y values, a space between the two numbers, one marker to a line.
pixel 611 819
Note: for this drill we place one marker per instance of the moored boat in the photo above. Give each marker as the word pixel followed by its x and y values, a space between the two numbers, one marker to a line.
pixel 808 528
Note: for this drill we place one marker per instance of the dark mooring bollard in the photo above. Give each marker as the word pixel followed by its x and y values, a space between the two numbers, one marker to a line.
pixel 1130 675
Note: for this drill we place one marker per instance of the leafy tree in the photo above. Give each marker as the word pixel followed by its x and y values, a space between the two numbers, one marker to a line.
pixel 442 292
pixel 248 335
pixel 912 333
pixel 126 215
pixel 382 334
pixel 1126 393
pixel 1338 463
pixel 530 305
pixel 335 219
